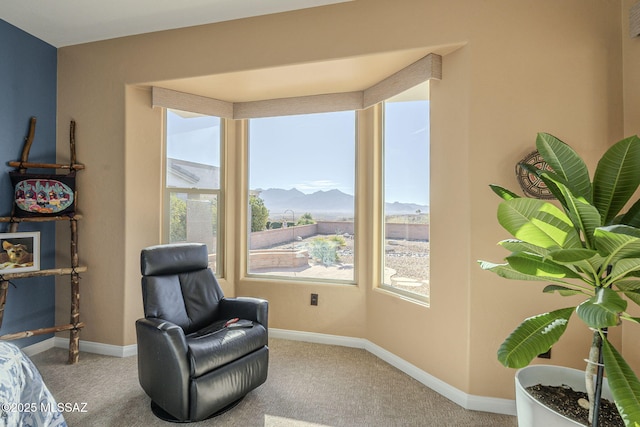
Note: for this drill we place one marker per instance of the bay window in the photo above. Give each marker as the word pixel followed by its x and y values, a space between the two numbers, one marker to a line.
pixel 406 193
pixel 301 196
pixel 193 197
pixel 292 182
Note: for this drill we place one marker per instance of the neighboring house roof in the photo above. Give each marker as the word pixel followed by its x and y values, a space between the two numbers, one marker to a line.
pixel 185 174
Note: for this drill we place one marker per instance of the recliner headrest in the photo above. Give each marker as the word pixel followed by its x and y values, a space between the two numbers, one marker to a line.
pixel 173 258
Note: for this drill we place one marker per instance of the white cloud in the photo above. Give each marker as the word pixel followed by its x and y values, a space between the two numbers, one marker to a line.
pixel 320 185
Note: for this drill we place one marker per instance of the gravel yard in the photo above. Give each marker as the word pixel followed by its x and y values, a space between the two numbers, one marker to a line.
pixel 407 262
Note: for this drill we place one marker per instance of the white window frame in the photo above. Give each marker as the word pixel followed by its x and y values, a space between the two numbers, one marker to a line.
pixel 381 258
pixel 219 193
pixel 304 279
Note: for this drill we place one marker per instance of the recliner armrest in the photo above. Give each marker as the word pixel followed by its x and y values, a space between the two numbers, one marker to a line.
pixel 162 347
pixel 163 330
pixel 249 308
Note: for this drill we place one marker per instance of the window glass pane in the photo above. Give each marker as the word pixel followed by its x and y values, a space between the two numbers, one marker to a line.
pixel 193 180
pixel 193 150
pixel 194 219
pixel 406 193
pixel 301 185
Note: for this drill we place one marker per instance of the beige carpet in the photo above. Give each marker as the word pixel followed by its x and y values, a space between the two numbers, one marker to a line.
pixel 308 385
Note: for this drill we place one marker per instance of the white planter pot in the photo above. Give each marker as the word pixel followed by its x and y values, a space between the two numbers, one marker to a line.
pixel 532 413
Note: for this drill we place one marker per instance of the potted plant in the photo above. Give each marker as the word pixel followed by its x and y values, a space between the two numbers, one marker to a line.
pixel 581 245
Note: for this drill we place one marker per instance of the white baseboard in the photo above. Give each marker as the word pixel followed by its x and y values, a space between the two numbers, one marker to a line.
pixel 465 400
pixel 99 348
pixel 88 346
pixel 38 347
pixel 317 338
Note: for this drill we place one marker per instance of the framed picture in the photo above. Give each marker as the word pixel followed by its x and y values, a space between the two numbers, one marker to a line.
pixel 20 252
pixel 43 195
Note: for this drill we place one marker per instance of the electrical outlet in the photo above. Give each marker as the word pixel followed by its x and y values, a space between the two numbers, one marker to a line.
pixel 314 299
pixel 546 355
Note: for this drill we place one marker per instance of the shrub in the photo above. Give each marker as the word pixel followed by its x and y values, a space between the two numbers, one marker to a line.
pixel 259 213
pixel 178 219
pixel 338 240
pixel 323 250
pixel 305 219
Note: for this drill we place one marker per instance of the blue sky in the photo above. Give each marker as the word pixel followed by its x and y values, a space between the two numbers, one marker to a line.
pixel 317 152
pixel 406 152
pixel 191 138
pixel 306 152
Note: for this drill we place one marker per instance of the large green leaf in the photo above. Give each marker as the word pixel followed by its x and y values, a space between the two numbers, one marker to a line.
pixel 597 263
pixel 566 163
pixel 514 245
pixel 534 336
pixel 623 383
pixel 633 296
pixel 616 177
pixel 603 309
pixel 571 256
pixel 630 288
pixel 562 290
pixel 545 176
pixel 538 222
pixel 536 265
pixel 632 217
pixel 585 217
pixel 628 284
pixel 586 261
pixel 503 192
pixel 617 242
pixel 623 268
pixel 507 272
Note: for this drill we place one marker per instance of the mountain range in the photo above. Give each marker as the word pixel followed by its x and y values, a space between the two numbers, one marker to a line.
pixel 324 204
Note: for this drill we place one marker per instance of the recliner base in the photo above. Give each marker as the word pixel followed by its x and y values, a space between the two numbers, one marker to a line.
pixel 165 416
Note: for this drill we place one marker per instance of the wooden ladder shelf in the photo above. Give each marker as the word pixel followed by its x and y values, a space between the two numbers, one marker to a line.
pixel 73 270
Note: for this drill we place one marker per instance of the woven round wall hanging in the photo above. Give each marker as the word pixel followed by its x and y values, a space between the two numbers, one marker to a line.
pixel 530 183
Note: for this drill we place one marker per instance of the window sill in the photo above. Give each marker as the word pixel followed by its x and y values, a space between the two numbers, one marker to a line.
pixel 404 296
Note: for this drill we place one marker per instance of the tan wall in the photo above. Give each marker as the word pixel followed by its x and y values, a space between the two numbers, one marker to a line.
pixel 523 66
pixel 537 80
pixel 631 104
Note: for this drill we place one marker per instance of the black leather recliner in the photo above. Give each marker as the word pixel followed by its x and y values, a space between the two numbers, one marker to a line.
pixel 190 363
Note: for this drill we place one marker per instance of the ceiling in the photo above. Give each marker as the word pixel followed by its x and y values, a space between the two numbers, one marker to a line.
pixel 336 76
pixel 68 22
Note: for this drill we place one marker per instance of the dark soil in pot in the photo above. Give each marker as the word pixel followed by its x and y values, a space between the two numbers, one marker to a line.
pixel 564 400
